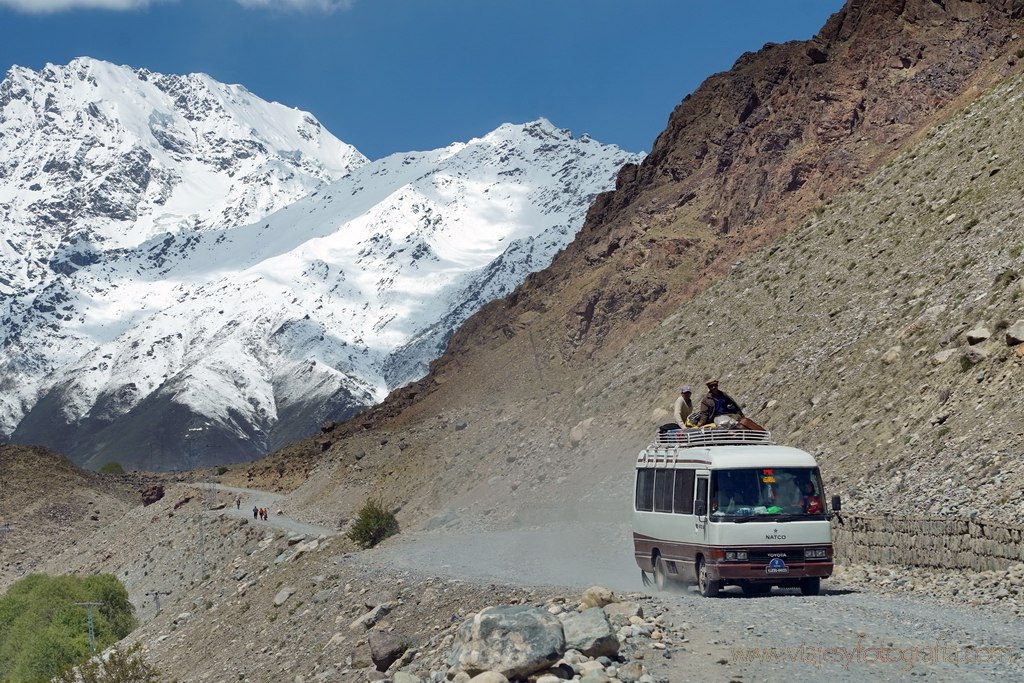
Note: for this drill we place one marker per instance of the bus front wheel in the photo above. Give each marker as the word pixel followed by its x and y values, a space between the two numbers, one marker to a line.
pixel 707 587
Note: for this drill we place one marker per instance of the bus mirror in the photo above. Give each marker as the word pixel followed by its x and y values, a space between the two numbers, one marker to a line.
pixel 837 504
pixel 700 508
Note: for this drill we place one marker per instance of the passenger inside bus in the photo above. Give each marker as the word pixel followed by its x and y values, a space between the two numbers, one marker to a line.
pixel 745 492
pixel 811 500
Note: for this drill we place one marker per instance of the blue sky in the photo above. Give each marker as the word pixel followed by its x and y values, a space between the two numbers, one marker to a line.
pixel 399 75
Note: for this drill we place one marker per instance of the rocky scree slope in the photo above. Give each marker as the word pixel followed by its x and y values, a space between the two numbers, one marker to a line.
pixel 50 504
pixel 882 334
pixel 165 338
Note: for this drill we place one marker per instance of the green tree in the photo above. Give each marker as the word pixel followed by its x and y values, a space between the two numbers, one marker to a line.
pixel 112 467
pixel 42 631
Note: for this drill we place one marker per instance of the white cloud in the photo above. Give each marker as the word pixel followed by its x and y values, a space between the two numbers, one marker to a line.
pixel 50 6
pixel 298 5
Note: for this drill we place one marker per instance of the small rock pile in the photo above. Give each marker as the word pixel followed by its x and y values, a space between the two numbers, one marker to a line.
pixel 602 639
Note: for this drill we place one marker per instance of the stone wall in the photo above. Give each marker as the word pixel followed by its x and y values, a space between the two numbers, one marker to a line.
pixel 927 542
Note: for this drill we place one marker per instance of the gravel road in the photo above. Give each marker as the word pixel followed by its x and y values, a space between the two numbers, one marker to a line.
pixel 265 499
pixel 843 634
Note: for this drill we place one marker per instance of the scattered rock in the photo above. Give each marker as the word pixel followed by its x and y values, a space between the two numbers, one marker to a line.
pixel 1015 334
pixel 282 596
pixel 385 649
pixel 152 494
pixel 370 619
pixel 597 596
pixel 978 335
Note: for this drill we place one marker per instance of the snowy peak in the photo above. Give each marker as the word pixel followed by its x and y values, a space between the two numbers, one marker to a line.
pixel 192 266
pixel 121 152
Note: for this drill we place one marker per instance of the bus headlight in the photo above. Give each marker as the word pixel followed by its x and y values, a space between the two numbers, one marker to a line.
pixel 735 555
pixel 815 553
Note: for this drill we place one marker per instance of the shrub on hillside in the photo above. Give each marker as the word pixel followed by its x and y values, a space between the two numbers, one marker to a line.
pixel 373 524
pixel 43 631
pixel 116 666
pixel 112 467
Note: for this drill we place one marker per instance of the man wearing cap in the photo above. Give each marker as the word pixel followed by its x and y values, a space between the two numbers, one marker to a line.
pixel 684 406
pixel 717 402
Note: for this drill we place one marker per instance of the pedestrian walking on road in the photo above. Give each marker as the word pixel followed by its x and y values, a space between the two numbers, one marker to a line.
pixel 255 511
pixel 238 503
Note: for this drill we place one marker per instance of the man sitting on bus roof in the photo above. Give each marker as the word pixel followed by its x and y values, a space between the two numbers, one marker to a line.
pixel 716 403
pixel 683 407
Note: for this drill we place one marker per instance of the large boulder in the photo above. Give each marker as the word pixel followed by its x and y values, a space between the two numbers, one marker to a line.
pixel 514 641
pixel 590 633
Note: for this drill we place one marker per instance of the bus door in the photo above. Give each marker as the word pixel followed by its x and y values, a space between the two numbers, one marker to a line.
pixel 700 498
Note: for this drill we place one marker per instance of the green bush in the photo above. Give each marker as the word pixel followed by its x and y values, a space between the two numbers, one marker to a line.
pixel 42 631
pixel 120 666
pixel 373 525
pixel 112 467
pixel 222 470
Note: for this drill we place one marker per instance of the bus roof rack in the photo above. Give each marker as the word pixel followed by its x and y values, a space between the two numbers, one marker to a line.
pixel 689 438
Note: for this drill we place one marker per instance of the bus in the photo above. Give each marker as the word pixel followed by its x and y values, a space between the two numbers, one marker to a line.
pixel 720 507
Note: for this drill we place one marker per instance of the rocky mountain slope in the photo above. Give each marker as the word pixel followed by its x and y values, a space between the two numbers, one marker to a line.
pixel 47 504
pixel 848 336
pixel 164 335
pixel 745 156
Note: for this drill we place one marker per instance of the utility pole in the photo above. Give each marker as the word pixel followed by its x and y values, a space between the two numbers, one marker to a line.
pixel 211 492
pixel 156 597
pixel 92 629
pixel 202 547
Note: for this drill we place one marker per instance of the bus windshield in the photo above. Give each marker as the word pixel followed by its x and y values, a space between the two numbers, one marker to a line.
pixel 766 493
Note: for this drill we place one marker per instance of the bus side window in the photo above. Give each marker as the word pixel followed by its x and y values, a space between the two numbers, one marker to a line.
pixel 683 503
pixel 663 480
pixel 645 490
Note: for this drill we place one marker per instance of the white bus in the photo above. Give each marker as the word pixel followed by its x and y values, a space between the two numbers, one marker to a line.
pixel 717 507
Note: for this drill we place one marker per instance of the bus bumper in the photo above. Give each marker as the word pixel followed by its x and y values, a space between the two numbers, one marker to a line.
pixel 737 572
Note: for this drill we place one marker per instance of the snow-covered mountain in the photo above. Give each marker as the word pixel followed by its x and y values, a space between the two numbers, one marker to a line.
pixel 192 275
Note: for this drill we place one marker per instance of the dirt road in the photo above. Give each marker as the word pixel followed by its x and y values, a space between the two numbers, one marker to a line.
pixel 251 498
pixel 842 634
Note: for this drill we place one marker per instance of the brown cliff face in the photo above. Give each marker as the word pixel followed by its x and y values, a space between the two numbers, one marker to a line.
pixel 742 158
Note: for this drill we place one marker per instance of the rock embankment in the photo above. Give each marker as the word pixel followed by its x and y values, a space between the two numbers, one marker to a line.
pixel 1001 589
